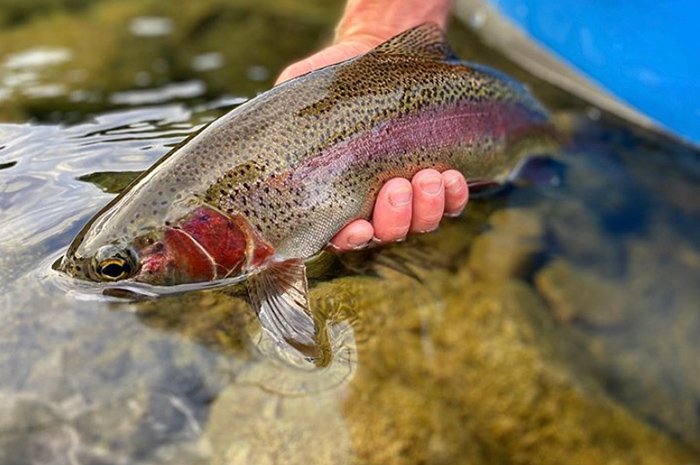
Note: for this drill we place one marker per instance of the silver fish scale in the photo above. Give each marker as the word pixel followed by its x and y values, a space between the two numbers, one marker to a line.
pixel 298 216
pixel 245 162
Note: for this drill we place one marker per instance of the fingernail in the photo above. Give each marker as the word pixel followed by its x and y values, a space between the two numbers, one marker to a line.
pixel 400 197
pixel 356 242
pixel 452 183
pixel 431 185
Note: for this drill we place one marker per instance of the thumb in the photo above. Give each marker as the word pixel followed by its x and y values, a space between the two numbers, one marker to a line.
pixel 328 56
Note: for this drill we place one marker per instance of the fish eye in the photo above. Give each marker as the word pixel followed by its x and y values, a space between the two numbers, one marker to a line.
pixel 113 268
pixel 111 263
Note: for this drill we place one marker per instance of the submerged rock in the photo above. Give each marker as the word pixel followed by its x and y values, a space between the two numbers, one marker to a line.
pixel 574 293
pixel 510 248
pixel 249 425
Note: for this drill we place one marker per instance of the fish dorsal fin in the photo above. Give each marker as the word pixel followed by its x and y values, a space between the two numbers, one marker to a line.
pixel 425 41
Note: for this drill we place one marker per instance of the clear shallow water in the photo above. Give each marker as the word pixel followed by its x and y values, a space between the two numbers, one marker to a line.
pixel 59 387
pixel 551 324
pixel 47 370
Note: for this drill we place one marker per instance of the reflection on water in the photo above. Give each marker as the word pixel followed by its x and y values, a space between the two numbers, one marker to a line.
pixel 551 324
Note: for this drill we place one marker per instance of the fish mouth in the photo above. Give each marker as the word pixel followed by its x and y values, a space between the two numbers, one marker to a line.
pixel 73 266
pixel 59 264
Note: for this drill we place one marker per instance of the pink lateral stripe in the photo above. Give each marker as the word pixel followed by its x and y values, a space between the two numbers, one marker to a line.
pixel 434 128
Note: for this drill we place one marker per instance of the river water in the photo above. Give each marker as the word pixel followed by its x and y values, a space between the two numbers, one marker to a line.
pixel 552 323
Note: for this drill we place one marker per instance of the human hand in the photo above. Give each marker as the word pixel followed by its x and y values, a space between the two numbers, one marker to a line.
pixel 366 24
pixel 402 206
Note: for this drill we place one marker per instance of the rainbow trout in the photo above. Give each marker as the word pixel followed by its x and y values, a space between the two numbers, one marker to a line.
pixel 266 186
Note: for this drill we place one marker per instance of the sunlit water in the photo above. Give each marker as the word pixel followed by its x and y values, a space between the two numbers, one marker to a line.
pixel 564 313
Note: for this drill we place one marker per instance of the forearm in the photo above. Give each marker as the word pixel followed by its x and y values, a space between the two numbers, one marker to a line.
pixel 366 24
pixel 379 20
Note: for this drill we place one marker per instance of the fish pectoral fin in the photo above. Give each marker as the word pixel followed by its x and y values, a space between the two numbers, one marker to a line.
pixel 280 296
pixel 425 41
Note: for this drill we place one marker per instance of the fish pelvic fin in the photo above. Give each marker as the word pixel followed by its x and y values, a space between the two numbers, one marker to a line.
pixel 280 297
pixel 425 41
pixel 481 188
pixel 541 171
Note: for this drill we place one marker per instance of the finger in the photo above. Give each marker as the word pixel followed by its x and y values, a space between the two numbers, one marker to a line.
pixel 353 236
pixel 294 70
pixel 428 200
pixel 318 60
pixel 328 56
pixel 393 210
pixel 456 192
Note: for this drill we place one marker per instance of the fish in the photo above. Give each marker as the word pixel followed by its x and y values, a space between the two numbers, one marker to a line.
pixel 262 189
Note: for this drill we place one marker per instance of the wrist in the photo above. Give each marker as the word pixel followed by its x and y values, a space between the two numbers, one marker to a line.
pixel 372 22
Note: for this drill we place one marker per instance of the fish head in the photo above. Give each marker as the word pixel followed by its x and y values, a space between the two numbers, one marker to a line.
pixel 203 246
pixel 160 257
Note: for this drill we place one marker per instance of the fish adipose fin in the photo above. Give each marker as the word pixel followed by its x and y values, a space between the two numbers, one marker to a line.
pixel 425 41
pixel 280 296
